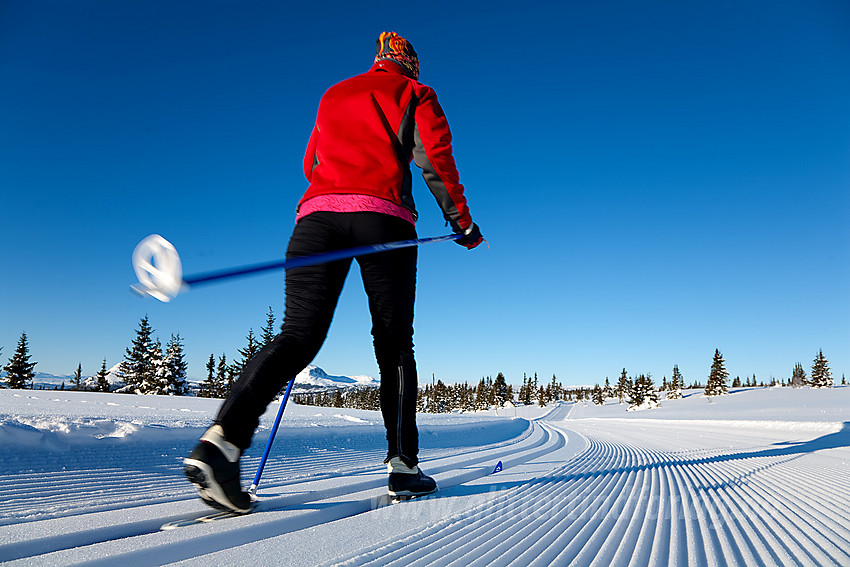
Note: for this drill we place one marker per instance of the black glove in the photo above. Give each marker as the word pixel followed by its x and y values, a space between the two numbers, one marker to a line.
pixel 471 237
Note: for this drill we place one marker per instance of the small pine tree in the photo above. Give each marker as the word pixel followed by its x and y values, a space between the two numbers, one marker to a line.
pixel 607 390
pixel 798 376
pixel 208 386
pixel 643 393
pixel 523 389
pixel 821 376
pixel 623 388
pixel 674 391
pixel 77 380
pixel 481 396
pixel 102 384
pixel 221 378
pixel 597 395
pixel 247 353
pixel 716 385
pixel 500 390
pixel 19 371
pixel 269 330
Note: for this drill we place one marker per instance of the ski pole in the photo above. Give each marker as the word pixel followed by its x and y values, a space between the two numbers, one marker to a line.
pixel 160 271
pixel 253 489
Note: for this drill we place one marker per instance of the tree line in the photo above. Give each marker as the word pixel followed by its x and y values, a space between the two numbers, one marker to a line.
pixel 151 368
pixel 638 392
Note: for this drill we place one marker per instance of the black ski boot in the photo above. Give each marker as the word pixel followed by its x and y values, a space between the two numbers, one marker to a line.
pixel 408 482
pixel 213 467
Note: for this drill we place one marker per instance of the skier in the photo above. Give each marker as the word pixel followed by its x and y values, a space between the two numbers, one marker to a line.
pixel 367 131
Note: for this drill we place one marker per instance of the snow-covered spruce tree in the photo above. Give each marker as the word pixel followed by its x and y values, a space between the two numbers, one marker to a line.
pixel 456 397
pixel 716 385
pixel 101 383
pixel 159 385
pixel 821 376
pixel 607 390
pixel 598 396
pixel 491 393
pixel 643 393
pixel 798 376
pixel 19 371
pixel 636 393
pixel 139 368
pixel 674 389
pixel 442 398
pixel 500 390
pixel 175 367
pixel 469 398
pixel 481 396
pixel 623 387
pixel 557 390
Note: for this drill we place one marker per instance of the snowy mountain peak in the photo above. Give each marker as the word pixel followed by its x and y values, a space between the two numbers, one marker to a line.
pixel 314 378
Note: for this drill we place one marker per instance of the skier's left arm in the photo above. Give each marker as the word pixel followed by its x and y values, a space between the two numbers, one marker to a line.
pixel 432 152
pixel 310 157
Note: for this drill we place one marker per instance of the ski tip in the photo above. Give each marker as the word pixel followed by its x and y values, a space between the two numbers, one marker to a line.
pixel 498 467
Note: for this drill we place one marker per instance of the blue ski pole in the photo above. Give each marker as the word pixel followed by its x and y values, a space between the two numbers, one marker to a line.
pixel 160 271
pixel 253 489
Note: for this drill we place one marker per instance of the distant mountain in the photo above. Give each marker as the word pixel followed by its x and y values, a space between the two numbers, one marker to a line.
pixel 111 376
pixel 43 380
pixel 311 379
pixel 314 379
pixel 46 381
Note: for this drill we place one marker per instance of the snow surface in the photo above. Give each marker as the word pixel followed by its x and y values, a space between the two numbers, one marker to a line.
pixel 758 477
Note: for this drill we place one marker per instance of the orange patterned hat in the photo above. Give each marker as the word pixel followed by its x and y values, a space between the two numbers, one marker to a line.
pixel 393 46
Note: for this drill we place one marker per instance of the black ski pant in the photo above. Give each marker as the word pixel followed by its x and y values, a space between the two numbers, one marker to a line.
pixel 312 292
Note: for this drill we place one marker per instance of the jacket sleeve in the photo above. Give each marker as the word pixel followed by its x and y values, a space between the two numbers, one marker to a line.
pixel 310 158
pixel 432 152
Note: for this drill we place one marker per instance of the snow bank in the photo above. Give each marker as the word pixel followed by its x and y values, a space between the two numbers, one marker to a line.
pixel 63 420
pixel 766 407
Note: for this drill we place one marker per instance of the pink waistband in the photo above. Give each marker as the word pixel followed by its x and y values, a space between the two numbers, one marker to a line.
pixel 352 203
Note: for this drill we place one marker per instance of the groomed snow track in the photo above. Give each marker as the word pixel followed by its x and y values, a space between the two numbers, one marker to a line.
pixel 572 492
pixel 73 536
pixel 621 503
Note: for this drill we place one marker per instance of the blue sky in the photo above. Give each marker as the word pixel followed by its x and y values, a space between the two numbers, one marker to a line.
pixel 656 179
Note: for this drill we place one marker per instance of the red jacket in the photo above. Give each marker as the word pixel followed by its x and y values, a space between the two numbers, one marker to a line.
pixel 368 129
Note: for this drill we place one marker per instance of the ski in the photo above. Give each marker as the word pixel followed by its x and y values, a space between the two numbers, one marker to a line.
pixel 205 519
pixel 406 498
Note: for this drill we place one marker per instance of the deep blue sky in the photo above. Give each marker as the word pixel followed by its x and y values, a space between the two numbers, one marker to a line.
pixel 656 179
